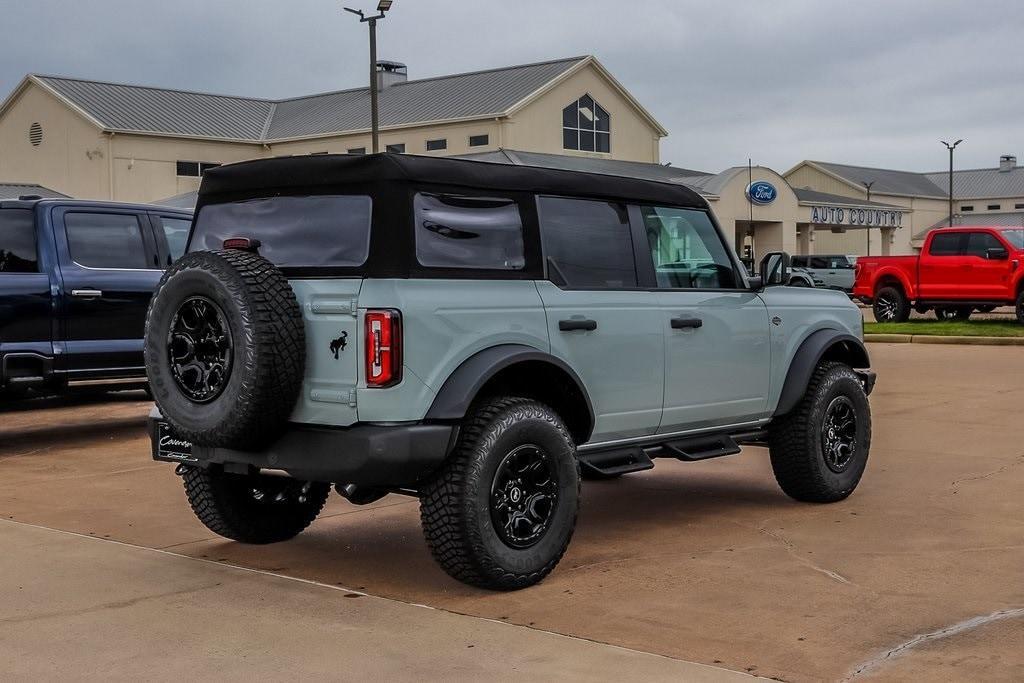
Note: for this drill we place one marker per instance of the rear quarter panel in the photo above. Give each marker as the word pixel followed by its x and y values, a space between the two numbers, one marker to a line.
pixel 801 312
pixel 871 270
pixel 444 323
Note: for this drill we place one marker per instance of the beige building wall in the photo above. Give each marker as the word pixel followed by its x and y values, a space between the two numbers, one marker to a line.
pixel 74 156
pixel 774 225
pixel 537 127
pixel 414 138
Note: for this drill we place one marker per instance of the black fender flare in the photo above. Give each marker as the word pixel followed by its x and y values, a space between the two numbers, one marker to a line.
pixel 807 357
pixel 463 385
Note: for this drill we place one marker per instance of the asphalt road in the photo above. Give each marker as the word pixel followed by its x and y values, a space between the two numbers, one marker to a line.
pixel 918 575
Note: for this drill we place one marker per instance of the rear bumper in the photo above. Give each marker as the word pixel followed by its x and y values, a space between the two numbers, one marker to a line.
pixel 395 456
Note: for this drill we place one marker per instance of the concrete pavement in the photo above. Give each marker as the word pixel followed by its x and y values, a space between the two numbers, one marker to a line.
pixel 707 562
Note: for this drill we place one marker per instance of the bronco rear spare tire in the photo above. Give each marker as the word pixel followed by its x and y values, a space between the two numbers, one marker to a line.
pixel 225 349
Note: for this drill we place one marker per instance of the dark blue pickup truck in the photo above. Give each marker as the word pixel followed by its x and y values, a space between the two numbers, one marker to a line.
pixel 75 281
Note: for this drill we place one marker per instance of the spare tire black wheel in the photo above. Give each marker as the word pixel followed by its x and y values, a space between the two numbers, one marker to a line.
pixel 225 349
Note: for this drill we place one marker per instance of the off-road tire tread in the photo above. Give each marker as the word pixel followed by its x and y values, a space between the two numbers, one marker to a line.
pixel 215 504
pixel 794 458
pixel 444 509
pixel 273 375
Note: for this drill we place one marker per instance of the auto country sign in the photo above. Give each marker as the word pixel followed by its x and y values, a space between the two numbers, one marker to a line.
pixel 843 216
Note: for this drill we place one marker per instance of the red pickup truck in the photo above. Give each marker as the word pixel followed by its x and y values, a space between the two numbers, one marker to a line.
pixel 958 271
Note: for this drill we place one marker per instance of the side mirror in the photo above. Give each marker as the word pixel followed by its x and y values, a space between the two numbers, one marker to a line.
pixel 996 254
pixel 774 269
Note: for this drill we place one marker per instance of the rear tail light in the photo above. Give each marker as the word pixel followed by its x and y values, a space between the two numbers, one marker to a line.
pixel 383 348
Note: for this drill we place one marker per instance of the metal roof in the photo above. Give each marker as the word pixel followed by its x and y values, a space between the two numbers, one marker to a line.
pixel 886 181
pixel 15 190
pixel 1009 219
pixel 981 183
pixel 133 108
pixel 629 169
pixel 805 195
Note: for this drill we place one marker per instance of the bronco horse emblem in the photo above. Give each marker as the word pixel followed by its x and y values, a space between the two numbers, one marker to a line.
pixel 339 344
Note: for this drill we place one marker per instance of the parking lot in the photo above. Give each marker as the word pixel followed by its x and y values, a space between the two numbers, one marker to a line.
pixel 917 575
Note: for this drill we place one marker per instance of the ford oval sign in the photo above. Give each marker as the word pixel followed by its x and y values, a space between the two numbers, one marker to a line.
pixel 761 192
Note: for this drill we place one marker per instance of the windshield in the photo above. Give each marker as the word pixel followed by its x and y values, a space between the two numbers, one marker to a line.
pixel 1015 237
pixel 315 231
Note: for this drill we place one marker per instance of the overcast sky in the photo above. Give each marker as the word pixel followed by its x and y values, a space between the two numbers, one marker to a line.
pixel 872 82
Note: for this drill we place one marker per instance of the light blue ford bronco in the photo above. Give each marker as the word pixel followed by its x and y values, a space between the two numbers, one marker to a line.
pixel 481 336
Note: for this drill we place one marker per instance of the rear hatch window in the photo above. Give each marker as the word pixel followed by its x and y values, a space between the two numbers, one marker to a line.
pixel 294 232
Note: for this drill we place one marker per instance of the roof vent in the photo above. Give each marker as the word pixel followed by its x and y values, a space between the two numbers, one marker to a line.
pixel 35 134
pixel 1007 162
pixel 391 73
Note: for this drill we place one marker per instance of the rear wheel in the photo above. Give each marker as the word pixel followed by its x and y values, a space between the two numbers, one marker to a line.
pixel 1019 306
pixel 891 306
pixel 502 510
pixel 253 508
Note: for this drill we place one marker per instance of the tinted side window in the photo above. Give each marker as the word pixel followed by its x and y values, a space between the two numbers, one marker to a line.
pixel 687 251
pixel 468 232
pixel 946 244
pixel 328 230
pixel 819 263
pixel 798 262
pixel 587 243
pixel 17 242
pixel 176 232
pixel 105 240
pixel 978 244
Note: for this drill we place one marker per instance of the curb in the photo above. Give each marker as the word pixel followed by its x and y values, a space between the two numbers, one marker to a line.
pixel 937 339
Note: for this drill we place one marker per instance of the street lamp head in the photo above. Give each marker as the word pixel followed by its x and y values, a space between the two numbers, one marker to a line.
pixel 384 5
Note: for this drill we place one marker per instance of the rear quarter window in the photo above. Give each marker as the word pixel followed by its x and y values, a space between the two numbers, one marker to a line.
pixel 454 231
pixel 17 242
pixel 299 232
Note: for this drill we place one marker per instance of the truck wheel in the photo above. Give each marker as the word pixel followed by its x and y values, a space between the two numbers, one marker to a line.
pixel 225 349
pixel 1019 306
pixel 501 511
pixel 253 508
pixel 954 313
pixel 891 306
pixel 820 449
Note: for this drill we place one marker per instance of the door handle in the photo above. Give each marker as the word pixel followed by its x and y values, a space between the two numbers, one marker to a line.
pixel 86 293
pixel 685 323
pixel 577 324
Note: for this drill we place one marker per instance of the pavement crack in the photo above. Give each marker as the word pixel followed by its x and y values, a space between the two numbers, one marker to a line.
pixel 1018 460
pixel 942 633
pixel 117 604
pixel 790 548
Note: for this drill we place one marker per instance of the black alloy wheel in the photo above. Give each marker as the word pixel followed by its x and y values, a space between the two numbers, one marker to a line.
pixel 890 305
pixel 839 434
pixel 524 493
pixel 199 349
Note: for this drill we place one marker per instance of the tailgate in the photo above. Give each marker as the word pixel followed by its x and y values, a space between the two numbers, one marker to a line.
pixel 330 315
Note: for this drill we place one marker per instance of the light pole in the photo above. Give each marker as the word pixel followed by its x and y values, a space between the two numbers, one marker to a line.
pixel 951 148
pixel 867 186
pixel 382 7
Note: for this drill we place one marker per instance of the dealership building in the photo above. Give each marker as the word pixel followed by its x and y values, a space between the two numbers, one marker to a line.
pixel 94 139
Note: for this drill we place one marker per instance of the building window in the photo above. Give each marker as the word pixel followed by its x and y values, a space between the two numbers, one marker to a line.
pixel 396 149
pixel 994 207
pixel 1018 206
pixel 967 208
pixel 194 169
pixel 436 145
pixel 586 126
pixel 357 150
pixel 479 140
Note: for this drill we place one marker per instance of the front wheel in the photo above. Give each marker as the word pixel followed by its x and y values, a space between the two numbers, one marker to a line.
pixel 891 306
pixel 501 511
pixel 253 508
pixel 820 449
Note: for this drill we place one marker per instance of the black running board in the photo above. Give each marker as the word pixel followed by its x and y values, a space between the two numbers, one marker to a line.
pixel 612 462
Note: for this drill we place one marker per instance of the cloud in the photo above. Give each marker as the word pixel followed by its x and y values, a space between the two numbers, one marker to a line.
pixel 874 82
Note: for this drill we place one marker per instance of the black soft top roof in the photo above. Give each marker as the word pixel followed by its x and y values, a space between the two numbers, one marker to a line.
pixel 322 174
